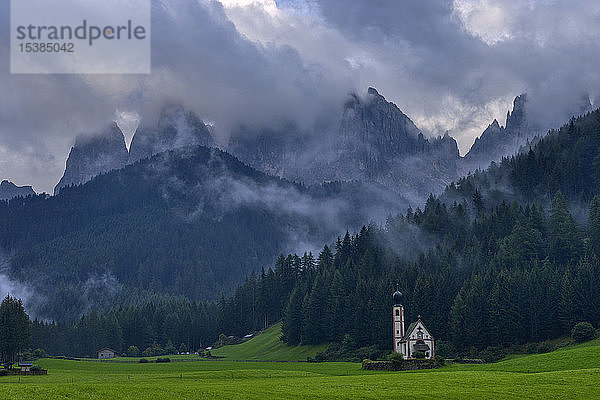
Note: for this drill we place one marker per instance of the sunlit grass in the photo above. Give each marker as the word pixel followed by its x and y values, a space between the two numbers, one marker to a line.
pixel 568 373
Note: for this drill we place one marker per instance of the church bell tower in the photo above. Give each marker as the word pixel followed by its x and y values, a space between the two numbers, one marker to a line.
pixel 398 318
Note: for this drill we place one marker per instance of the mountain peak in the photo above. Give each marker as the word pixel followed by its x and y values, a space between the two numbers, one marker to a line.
pixel 93 155
pixel 518 118
pixel 9 190
pixel 176 128
pixel 372 91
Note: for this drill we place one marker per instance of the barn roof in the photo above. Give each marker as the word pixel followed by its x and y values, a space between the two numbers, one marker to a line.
pixel 106 348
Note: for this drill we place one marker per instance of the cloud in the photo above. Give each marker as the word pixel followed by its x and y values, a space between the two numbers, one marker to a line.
pixel 449 64
pixel 199 60
pixel 15 289
pixel 9 286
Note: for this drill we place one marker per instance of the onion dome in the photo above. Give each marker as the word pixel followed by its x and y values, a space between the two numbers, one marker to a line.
pixel 397 297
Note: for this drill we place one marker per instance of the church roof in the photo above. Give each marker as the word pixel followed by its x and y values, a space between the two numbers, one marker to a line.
pixel 412 327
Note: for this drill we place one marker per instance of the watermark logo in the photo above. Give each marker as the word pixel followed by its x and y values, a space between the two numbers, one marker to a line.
pixel 80 36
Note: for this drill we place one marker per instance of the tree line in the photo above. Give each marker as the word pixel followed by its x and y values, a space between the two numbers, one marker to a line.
pixel 498 259
pixel 515 274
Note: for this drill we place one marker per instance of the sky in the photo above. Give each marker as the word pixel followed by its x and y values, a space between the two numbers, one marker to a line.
pixel 450 65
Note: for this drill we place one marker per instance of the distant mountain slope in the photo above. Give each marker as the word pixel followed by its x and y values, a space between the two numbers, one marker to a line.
pixel 99 153
pixel 498 141
pixel 374 141
pixel 191 222
pixel 520 130
pixel 176 128
pixel 370 140
pixel 566 159
pixel 94 155
pixel 9 190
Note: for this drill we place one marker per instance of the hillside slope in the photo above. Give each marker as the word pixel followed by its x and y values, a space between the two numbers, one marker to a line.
pixel 192 222
pixel 576 357
pixel 268 347
pixel 565 160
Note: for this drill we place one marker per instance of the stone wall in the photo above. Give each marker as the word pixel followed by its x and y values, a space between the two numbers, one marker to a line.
pixel 404 365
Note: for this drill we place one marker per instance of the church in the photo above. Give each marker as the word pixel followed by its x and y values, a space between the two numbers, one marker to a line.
pixel 415 339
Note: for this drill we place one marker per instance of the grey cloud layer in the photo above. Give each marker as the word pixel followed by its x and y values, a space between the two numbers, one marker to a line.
pixel 548 49
pixel 433 58
pixel 199 60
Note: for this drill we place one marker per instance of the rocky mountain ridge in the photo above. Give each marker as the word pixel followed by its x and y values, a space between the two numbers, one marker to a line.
pixel 106 151
pixel 372 141
pixel 9 190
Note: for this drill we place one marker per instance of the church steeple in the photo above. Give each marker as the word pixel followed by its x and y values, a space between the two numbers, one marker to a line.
pixel 398 321
pixel 416 338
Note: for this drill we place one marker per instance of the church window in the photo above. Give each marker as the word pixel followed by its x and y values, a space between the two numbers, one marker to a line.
pixel 419 335
pixel 397 313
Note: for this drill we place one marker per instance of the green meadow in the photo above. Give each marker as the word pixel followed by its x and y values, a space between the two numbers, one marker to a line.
pixel 568 373
pixel 268 347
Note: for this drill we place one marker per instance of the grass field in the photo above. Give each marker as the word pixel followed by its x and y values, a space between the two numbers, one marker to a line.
pixel 569 373
pixel 268 347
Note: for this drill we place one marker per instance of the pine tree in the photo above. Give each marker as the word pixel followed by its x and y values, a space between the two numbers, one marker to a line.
pixel 14 329
pixel 335 308
pixel 291 328
pixel 477 201
pixel 594 226
pixel 567 309
pixel 564 239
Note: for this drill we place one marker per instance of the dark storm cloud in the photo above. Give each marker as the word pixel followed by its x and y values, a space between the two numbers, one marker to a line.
pixel 448 64
pixel 478 51
pixel 199 60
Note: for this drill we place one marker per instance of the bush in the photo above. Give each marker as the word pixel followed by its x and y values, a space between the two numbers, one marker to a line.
pixel 348 344
pixel 143 361
pixel 148 352
pixel 36 368
pixel 439 361
pixel 27 355
pixel 419 355
pixel 377 365
pixel 545 347
pixel 3 372
pixel 225 340
pixel 582 332
pixel 39 353
pixel 492 354
pixel 169 348
pixel 396 358
pixel 343 352
pixel 163 360
pixel 133 351
pixel 204 353
pixel 445 349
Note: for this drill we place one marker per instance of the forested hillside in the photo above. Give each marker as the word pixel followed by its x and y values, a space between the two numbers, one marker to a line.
pixel 567 159
pixel 490 273
pixel 191 222
pixel 508 277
